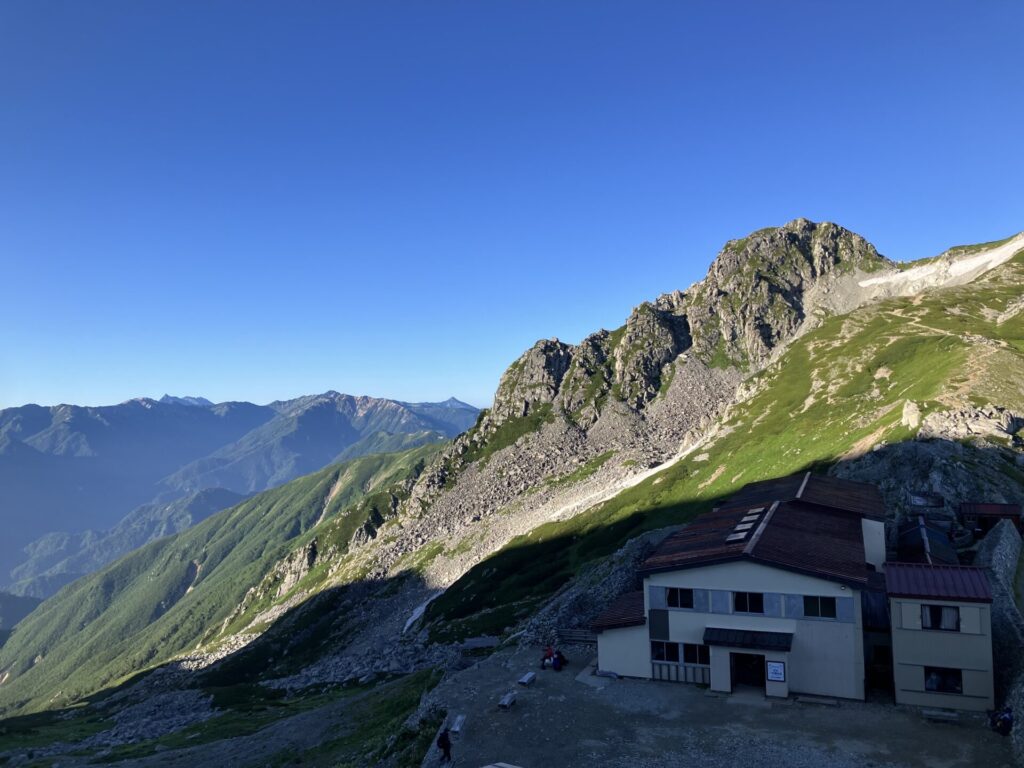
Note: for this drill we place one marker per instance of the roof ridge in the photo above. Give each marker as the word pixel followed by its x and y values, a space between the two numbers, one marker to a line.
pixel 749 548
pixel 803 485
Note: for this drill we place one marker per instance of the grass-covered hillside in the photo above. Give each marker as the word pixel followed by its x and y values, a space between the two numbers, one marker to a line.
pixel 835 394
pixel 163 598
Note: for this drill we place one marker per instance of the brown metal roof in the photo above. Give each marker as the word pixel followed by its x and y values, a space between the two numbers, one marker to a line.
pixel 860 498
pixel 626 611
pixel 747 638
pixel 990 510
pixel 798 536
pixel 939 582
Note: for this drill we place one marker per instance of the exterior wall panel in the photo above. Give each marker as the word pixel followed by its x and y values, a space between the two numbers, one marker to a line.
pixel 625 651
pixel 969 650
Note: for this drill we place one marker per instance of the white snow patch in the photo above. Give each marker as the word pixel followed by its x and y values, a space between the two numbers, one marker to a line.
pixel 947 270
pixel 420 609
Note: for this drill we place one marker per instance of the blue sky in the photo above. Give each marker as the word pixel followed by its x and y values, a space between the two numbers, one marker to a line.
pixel 248 200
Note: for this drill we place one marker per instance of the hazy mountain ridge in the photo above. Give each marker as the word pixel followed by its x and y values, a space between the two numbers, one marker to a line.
pixel 518 517
pixel 81 469
pixel 59 558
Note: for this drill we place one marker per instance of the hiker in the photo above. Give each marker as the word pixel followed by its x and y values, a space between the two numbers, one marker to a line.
pixel 1001 721
pixel 444 743
pixel 558 661
pixel 548 657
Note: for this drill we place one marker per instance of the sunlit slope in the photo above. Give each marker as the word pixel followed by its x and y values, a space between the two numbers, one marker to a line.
pixel 836 393
pixel 166 596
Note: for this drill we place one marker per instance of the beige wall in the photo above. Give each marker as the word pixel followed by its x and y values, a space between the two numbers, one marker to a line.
pixel 753 577
pixel 873 532
pixel 827 657
pixel 625 651
pixel 969 650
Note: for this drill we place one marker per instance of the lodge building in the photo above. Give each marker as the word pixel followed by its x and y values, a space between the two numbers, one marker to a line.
pixel 781 588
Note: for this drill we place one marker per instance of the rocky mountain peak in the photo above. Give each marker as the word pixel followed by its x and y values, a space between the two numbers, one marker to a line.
pixel 754 298
pixel 533 379
pixel 755 295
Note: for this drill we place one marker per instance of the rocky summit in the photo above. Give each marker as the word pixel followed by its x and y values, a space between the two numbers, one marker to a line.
pixel 339 618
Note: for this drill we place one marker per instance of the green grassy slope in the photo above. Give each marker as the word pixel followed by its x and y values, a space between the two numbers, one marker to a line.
pixel 836 392
pixel 163 598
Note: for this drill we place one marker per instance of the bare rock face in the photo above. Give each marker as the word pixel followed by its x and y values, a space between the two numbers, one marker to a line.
pixel 531 380
pixel 753 298
pixel 589 378
pixel 652 337
pixel 968 422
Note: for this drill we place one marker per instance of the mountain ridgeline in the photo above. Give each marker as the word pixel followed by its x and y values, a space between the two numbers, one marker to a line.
pixel 802 348
pixel 79 485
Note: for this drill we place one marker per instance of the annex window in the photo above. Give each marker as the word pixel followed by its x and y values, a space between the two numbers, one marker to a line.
pixel 661 651
pixel 748 602
pixel 943 680
pixel 696 654
pixel 679 598
pixel 820 607
pixel 943 617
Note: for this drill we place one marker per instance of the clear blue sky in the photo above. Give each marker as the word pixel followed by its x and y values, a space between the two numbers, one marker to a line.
pixel 249 200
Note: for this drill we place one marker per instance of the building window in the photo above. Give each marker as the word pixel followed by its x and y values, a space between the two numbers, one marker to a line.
pixel 664 651
pixel 679 598
pixel 943 617
pixel 696 654
pixel 820 607
pixel 748 602
pixel 943 680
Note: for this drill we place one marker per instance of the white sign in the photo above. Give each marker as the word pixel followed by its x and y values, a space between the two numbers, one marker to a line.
pixel 776 671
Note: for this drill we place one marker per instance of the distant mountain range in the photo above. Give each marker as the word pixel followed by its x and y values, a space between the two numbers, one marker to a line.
pixel 70 474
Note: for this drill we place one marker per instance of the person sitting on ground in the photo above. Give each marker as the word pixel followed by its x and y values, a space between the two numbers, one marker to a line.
pixel 558 661
pixel 444 743
pixel 547 658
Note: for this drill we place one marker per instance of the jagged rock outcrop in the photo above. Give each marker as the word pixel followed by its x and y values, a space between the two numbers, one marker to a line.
pixel 968 422
pixel 754 297
pixel 654 335
pixel 531 380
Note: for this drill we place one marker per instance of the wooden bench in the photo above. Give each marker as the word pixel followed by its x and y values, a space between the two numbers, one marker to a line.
pixel 457 726
pixel 528 679
pixel 507 700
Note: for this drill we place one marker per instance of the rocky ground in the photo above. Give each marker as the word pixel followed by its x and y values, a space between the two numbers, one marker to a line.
pixel 574 720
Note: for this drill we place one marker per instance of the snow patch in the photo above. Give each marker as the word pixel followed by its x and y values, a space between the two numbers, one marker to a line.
pixel 947 270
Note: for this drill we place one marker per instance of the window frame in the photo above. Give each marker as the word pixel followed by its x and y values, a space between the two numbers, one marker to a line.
pixel 679 593
pixel 700 651
pixel 940 674
pixel 665 644
pixel 746 601
pixel 930 609
pixel 818 602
